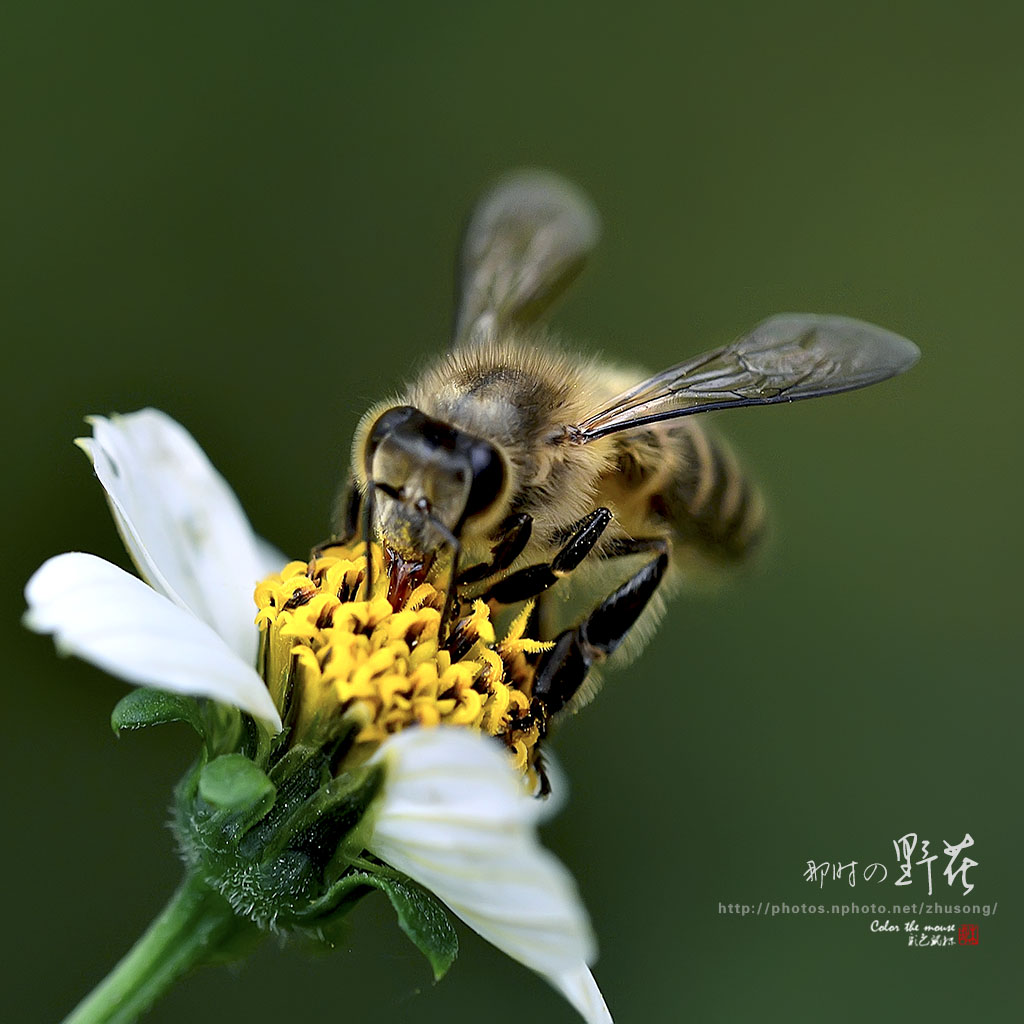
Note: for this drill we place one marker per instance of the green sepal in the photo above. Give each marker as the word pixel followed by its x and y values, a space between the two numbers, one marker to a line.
pixel 143 707
pixel 232 782
pixel 423 919
pixel 275 859
pixel 224 726
pixel 420 914
pixel 327 824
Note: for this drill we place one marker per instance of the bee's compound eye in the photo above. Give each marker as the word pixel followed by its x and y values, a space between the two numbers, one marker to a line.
pixel 488 477
pixel 386 424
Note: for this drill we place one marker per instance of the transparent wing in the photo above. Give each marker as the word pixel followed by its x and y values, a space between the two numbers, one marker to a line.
pixel 785 358
pixel 527 239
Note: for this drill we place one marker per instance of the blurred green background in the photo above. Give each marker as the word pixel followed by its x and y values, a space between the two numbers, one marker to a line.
pixel 245 214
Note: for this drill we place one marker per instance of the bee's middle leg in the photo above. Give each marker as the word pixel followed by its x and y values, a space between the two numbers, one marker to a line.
pixel 563 669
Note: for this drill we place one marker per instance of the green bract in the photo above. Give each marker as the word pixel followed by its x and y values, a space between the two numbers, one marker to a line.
pixel 275 833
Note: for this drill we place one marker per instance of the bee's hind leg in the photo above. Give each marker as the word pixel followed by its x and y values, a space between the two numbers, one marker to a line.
pixel 563 670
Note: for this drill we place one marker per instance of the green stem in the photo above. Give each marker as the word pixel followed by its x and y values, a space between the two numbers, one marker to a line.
pixel 196 923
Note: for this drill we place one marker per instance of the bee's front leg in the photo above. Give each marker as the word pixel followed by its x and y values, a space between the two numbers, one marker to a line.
pixel 563 669
pixel 345 517
pixel 513 536
pixel 535 579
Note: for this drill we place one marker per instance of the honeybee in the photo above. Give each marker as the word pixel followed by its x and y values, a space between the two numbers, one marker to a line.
pixel 517 471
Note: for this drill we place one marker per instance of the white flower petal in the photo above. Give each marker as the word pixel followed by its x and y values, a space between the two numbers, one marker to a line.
pixel 581 990
pixel 109 617
pixel 455 816
pixel 181 522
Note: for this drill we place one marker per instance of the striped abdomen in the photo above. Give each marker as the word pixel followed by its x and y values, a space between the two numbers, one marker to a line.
pixel 687 481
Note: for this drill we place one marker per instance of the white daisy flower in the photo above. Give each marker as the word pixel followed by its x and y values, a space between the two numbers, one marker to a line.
pixel 453 813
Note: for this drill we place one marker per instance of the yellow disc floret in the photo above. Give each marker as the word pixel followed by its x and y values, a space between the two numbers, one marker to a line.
pixel 332 654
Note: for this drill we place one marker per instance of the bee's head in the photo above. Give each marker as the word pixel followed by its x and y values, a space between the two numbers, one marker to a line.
pixel 430 481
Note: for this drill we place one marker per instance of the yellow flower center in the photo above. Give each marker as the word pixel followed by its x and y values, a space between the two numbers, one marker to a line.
pixel 329 654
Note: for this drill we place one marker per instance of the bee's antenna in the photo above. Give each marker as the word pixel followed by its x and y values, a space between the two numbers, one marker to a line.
pixel 368 504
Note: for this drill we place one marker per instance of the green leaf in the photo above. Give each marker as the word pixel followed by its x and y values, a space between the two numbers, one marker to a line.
pixel 423 919
pixel 233 782
pixel 420 915
pixel 144 707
